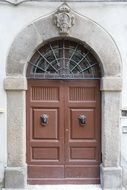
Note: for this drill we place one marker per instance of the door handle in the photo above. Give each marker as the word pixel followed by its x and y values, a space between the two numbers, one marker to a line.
pixel 82 120
pixel 44 119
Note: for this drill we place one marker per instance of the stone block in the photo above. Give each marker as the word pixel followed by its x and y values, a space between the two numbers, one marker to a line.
pixel 1 173
pixel 125 177
pixel 16 128
pixel 110 129
pixel 15 177
pixel 111 84
pixel 111 178
pixel 15 83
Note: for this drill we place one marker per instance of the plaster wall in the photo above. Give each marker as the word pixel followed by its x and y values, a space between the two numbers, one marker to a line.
pixel 111 16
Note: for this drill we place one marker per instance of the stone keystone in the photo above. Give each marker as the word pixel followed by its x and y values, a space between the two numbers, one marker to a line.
pixel 63 19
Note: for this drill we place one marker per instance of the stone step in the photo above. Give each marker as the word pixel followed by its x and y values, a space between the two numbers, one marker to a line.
pixel 60 187
pixel 67 187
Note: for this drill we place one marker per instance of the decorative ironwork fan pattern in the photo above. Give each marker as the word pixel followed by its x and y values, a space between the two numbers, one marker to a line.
pixel 63 59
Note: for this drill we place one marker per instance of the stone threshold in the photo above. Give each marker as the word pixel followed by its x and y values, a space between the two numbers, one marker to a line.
pixel 60 187
pixel 66 187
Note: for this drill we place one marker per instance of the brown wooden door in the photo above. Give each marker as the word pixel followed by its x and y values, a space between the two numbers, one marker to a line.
pixel 63 150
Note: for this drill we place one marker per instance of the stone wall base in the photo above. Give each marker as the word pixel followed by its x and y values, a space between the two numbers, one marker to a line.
pixel 1 185
pixel 125 176
pixel 111 178
pixel 15 177
pixel 1 175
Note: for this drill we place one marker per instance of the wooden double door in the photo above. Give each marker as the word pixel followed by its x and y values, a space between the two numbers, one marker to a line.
pixel 63 131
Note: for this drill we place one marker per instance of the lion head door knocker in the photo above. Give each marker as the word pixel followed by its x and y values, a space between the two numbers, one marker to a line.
pixel 82 120
pixel 44 119
pixel 64 19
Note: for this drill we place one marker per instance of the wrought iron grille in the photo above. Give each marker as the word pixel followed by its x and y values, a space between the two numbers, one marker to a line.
pixel 63 59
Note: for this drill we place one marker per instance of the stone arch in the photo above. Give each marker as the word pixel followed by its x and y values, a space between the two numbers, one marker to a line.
pixel 21 51
pixel 91 33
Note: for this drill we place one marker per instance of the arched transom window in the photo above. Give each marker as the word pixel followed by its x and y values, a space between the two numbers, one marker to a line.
pixel 63 59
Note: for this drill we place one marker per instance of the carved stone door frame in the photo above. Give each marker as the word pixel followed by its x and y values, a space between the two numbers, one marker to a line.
pixel 15 85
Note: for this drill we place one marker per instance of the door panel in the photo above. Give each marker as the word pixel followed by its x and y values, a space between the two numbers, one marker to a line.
pixel 48 131
pixel 81 153
pixel 45 171
pixel 48 153
pixel 79 131
pixel 82 142
pixel 44 142
pixel 63 150
pixel 81 93
pixel 81 171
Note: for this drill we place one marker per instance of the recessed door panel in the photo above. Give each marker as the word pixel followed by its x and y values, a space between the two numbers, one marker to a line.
pixel 81 171
pixel 78 128
pixel 47 130
pixel 46 171
pixel 81 153
pixel 44 93
pixel 63 131
pixel 77 93
pixel 46 153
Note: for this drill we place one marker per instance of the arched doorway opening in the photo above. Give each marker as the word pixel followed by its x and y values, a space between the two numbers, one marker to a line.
pixel 63 114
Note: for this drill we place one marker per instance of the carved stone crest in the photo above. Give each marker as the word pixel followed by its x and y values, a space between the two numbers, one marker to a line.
pixel 64 19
